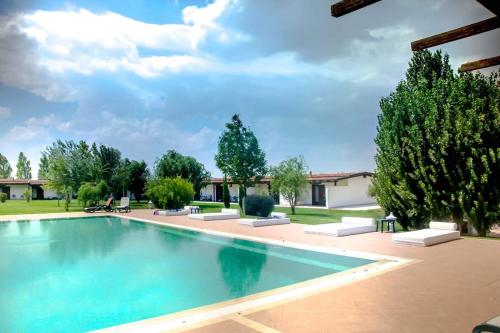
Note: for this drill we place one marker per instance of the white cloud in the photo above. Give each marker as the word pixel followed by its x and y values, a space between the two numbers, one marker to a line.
pixel 204 16
pixel 4 112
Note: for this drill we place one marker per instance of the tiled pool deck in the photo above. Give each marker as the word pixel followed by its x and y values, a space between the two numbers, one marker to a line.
pixel 450 288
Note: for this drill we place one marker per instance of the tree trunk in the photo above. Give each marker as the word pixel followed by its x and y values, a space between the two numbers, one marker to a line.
pixel 457 216
pixel 293 209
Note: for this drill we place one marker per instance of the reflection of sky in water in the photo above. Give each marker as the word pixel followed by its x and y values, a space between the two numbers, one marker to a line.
pixel 82 274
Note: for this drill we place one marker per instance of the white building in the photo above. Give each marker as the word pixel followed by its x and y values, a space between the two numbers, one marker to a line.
pixel 329 190
pixel 15 189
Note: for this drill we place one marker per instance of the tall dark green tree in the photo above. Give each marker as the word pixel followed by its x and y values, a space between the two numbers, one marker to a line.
pixel 225 193
pixel 139 175
pixel 427 143
pixel 476 120
pixel 5 168
pixel 239 156
pixel 173 164
pixel 23 167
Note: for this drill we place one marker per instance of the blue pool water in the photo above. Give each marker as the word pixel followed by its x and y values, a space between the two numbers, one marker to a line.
pixel 80 274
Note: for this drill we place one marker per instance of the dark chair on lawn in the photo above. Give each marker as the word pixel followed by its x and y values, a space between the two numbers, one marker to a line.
pixel 107 207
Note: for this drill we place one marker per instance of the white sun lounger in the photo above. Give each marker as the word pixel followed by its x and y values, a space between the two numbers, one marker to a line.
pixel 438 232
pixel 349 226
pixel 225 214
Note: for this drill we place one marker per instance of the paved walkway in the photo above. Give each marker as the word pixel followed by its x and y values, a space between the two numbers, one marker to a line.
pixel 453 287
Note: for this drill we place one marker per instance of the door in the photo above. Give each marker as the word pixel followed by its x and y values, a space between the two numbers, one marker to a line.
pixel 318 195
pixel 6 190
pixel 218 192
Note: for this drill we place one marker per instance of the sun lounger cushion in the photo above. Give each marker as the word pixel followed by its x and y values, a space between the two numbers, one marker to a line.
pixel 339 229
pixel 171 212
pixel 357 220
pixel 230 211
pixel 443 226
pixel 264 222
pixel 278 214
pixel 425 237
pixel 225 214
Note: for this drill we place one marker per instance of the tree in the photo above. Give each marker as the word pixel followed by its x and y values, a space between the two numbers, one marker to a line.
pixel 23 167
pixel 43 166
pixel 240 157
pixel 5 168
pixel 170 193
pixel 476 101
pixel 225 193
pixel 92 193
pixel 289 178
pixel 139 175
pixel 108 162
pixel 172 164
pixel 435 136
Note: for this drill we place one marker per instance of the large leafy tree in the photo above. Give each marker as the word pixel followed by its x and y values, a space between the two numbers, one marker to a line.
pixel 430 143
pixel 43 166
pixel 139 174
pixel 173 164
pixel 5 168
pixel 23 167
pixel 476 101
pixel 289 178
pixel 239 156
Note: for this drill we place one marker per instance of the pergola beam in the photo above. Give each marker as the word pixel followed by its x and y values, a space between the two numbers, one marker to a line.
pixel 347 6
pixel 473 65
pixel 492 5
pixel 455 34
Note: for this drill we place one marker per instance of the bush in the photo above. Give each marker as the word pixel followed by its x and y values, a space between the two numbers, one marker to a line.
pixel 90 193
pixel 3 197
pixel 259 205
pixel 170 193
pixel 27 195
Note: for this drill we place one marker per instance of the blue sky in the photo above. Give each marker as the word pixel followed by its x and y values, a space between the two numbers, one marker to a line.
pixel 149 76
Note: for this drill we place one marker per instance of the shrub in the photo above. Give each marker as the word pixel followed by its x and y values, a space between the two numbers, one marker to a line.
pixel 3 197
pixel 259 205
pixel 27 195
pixel 90 193
pixel 170 193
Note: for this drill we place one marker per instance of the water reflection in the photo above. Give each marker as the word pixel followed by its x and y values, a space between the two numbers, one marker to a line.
pixel 241 268
pixel 72 241
pixel 4 226
pixel 23 227
pixel 172 239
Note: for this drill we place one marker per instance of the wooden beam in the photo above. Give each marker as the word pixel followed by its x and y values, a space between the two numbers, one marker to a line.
pixel 347 6
pixel 459 33
pixel 492 5
pixel 473 65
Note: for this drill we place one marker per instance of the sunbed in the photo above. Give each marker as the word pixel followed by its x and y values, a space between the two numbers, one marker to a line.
pixel 348 226
pixel 492 326
pixel 274 218
pixel 124 205
pixel 225 214
pixel 107 207
pixel 438 232
pixel 173 212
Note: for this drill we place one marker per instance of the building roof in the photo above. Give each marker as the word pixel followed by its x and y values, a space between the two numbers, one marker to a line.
pixel 12 181
pixel 312 177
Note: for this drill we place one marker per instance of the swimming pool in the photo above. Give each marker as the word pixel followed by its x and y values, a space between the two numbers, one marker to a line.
pixel 81 274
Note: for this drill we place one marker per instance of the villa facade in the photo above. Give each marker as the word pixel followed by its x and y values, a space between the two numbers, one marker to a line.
pixel 15 189
pixel 329 190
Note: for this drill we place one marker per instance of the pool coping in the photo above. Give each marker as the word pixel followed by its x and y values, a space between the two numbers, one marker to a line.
pixel 216 312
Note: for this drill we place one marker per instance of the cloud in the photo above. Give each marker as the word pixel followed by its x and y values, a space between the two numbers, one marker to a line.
pixel 4 112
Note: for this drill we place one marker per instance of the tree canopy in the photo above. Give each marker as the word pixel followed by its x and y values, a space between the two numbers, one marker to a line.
pixel 438 146
pixel 239 155
pixel 5 168
pixel 23 167
pixel 173 164
pixel 289 179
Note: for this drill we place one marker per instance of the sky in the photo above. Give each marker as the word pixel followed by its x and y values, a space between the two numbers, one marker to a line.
pixel 146 76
